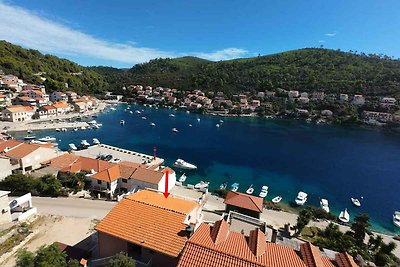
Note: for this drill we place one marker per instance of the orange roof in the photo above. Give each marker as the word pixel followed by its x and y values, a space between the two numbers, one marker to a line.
pixel 19 108
pixel 38 92
pixel 61 105
pixel 9 143
pixel 345 260
pixel 328 262
pixel 171 203
pixel 63 161
pixel 235 250
pixel 108 175
pixel 311 255
pixel 244 201
pixel 2 96
pixel 73 163
pixel 145 224
pixel 26 98
pixel 148 176
pixel 48 107
pixel 21 151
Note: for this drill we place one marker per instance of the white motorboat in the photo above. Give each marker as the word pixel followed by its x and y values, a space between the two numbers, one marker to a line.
pixel 95 126
pixel 301 198
pixel 58 130
pixel 29 137
pixel 113 109
pixel 85 144
pixel 396 218
pixel 72 147
pixel 276 199
pixel 130 112
pixel 264 191
pixel 175 130
pixel 152 124
pixel 83 128
pixel 63 129
pixel 250 190
pixel 144 118
pixel 96 141
pixel 324 204
pixel 38 142
pixel 29 131
pixel 122 122
pixel 223 186
pixel 190 125
pixel 180 163
pixel 48 139
pixel 221 121
pixel 171 115
pixel 182 178
pixel 138 112
pixel 201 185
pixel 92 122
pixel 235 187
pixel 217 125
pixel 356 202
pixel 198 119
pixel 187 111
pixel 344 216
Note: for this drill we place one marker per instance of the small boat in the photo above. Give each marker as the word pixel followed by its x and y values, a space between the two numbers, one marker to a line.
pixel 187 111
pixel 122 122
pixel 85 144
pixel 264 191
pixel 83 128
pixel 128 108
pixel 396 218
pixel 201 185
pixel 276 199
pixel 223 186
pixel 38 142
pixel 29 137
pixel 58 130
pixel 171 115
pixel 48 139
pixel 72 147
pixel 96 141
pixel 152 124
pixel 356 202
pixel 250 190
pixel 198 119
pixel 175 130
pixel 92 122
pixel 63 129
pixel 144 118
pixel 29 131
pixel 324 204
pixel 113 109
pixel 180 163
pixel 190 125
pixel 344 216
pixel 301 198
pixel 138 112
pixel 235 187
pixel 182 178
pixel 99 125
pixel 130 111
pixel 217 125
pixel 75 129
pixel 95 126
pixel 221 121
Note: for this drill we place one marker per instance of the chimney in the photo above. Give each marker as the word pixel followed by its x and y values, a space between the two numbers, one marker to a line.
pixel 220 231
pixel 257 242
pixel 274 235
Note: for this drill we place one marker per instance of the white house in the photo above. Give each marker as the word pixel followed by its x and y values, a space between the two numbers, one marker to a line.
pixel 17 113
pixel 58 96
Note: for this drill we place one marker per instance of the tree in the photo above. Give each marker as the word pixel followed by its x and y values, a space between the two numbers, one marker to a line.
pixel 49 185
pixel 360 227
pixel 122 260
pixel 51 255
pixel 303 219
pixel 25 259
pixel 18 184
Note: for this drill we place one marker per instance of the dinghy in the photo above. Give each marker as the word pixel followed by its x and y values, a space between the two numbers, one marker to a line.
pixel 182 178
pixel 356 202
pixel 276 199
pixel 223 186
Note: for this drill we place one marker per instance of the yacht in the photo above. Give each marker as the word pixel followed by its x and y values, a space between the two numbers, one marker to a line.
pixel 324 204
pixel 356 202
pixel 301 198
pixel 250 190
pixel 187 111
pixel 182 178
pixel 29 137
pixel 29 131
pixel 83 128
pixel 38 142
pixel 264 191
pixel 396 218
pixel 152 124
pixel 223 186
pixel 113 109
pixel 96 141
pixel 171 115
pixel 72 147
pixel 138 112
pixel 48 139
pixel 276 199
pixel 85 144
pixel 175 130
pixel 144 118
pixel 235 187
pixel 95 126
pixel 180 163
pixel 130 112
pixel 201 185
pixel 344 216
pixel 122 122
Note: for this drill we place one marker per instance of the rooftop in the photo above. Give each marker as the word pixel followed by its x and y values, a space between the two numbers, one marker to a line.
pixel 244 201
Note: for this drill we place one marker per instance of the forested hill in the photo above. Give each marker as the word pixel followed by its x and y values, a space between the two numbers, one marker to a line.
pixel 26 62
pixel 305 69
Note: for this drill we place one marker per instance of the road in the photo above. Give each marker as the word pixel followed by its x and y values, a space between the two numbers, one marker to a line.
pixel 73 207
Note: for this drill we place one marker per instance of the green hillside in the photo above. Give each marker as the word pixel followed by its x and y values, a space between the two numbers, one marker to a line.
pixel 305 69
pixel 26 62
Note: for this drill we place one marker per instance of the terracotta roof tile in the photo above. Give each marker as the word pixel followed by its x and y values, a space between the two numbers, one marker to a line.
pixel 21 151
pixel 328 262
pixel 9 143
pixel 63 161
pixel 108 175
pixel 345 260
pixel 311 255
pixel 19 108
pixel 148 176
pixel 244 201
pixel 73 163
pixel 138 220
pixel 61 105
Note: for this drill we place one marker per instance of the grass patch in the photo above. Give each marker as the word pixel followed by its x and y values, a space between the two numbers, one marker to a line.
pixel 310 233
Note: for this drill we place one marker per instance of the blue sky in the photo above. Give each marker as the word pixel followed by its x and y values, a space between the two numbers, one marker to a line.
pixel 122 33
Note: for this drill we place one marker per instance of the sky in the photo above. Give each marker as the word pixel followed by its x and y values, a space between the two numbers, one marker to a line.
pixel 122 33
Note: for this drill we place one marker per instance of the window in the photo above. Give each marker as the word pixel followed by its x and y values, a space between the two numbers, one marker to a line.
pixel 98 181
pixel 124 180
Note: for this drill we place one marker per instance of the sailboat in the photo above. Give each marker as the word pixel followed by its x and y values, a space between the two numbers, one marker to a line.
pixel 250 190
pixel 344 216
pixel 182 178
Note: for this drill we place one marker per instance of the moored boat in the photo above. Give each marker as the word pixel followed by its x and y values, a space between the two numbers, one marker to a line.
pixel 235 187
pixel 324 204
pixel 264 191
pixel 152 124
pixel 223 186
pixel 72 147
pixel 250 190
pixel 396 218
pixel 122 122
pixel 171 115
pixel 95 141
pixel 47 139
pixel 344 216
pixel 85 144
pixel 180 163
pixel 29 137
pixel 356 202
pixel 175 130
pixel 182 178
pixel 276 199
pixel 58 130
pixel 144 118
pixel 201 185
pixel 301 198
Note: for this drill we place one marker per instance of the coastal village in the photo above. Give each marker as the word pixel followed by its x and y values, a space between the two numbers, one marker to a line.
pixel 150 214
pixel 315 106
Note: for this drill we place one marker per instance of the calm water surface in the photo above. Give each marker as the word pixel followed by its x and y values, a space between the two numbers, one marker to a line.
pixel 326 161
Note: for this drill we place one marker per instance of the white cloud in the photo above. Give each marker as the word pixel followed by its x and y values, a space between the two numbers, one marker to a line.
pixel 23 27
pixel 331 34
pixel 224 54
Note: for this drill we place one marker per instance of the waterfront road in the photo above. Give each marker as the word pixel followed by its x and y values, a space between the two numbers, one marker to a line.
pixel 73 207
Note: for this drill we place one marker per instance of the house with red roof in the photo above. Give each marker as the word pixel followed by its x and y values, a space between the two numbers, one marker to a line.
pixel 24 101
pixel 47 111
pixel 17 113
pixel 243 203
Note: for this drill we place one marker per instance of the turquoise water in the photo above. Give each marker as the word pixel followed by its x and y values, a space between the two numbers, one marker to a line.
pixel 325 161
